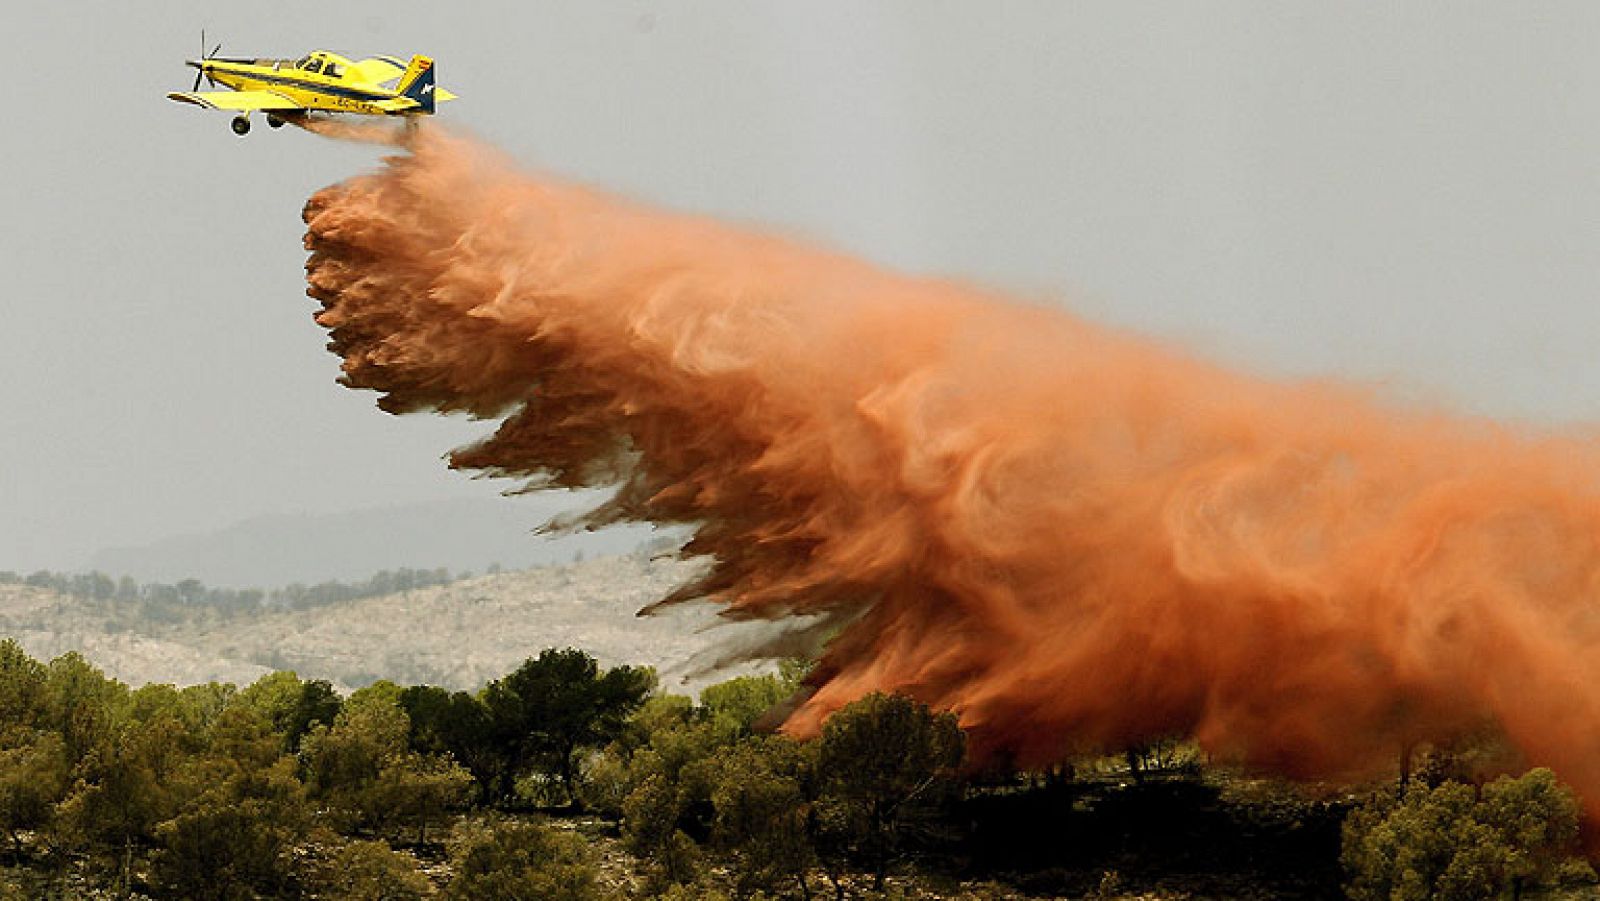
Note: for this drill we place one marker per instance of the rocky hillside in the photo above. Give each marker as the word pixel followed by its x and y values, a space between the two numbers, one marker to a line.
pixel 458 635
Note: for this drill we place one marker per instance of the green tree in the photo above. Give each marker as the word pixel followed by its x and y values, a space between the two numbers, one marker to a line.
pixel 650 817
pixel 241 810
pixel 22 686
pixel 238 742
pixel 318 703
pixel 455 723
pixel 292 706
pixel 745 700
pixel 1536 820
pixel 428 709
pixel 33 778
pixel 658 713
pixel 234 841
pixel 610 775
pixel 363 769
pixel 553 706
pixel 203 704
pixel 418 789
pixel 507 860
pixel 382 691
pixel 606 782
pixel 80 703
pixel 129 781
pixel 184 716
pixel 1452 842
pixel 762 807
pixel 665 785
pixel 343 762
pixel 885 766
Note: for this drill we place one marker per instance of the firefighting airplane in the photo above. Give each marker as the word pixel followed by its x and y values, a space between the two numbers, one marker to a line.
pixel 286 89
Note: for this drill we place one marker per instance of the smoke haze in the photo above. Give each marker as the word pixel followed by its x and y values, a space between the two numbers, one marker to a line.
pixel 1071 537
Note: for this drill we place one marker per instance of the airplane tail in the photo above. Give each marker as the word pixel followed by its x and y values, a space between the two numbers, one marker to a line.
pixel 417 83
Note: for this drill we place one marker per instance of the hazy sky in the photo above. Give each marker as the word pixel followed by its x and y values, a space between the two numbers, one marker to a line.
pixel 1407 195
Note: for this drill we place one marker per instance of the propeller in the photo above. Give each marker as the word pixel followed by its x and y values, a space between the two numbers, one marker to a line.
pixel 200 66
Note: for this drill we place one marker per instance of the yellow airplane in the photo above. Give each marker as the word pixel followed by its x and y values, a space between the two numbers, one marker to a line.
pixel 286 89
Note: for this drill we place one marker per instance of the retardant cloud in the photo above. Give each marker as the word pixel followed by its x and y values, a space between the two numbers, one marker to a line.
pixel 1071 537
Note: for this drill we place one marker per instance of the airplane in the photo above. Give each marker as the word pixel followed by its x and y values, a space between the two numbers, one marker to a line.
pixel 320 81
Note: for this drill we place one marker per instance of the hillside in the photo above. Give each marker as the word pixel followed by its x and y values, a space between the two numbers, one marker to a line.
pixel 458 635
pixel 460 534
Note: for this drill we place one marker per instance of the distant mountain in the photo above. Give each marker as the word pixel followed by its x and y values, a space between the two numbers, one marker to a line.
pixel 459 535
pixel 458 636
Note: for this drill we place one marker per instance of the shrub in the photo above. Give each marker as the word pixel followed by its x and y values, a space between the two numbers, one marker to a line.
pixel 605 783
pixel 372 871
pixel 221 852
pixel 650 816
pixel 508 859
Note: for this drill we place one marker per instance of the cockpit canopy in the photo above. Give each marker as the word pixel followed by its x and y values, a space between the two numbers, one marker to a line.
pixel 323 63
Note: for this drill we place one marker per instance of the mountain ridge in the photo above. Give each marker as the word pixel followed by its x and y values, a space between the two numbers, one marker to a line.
pixel 458 636
pixel 462 534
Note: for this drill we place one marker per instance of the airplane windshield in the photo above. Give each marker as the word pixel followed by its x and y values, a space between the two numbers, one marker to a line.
pixel 309 63
pixel 335 70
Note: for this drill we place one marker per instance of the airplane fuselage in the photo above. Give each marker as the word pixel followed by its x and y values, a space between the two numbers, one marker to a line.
pixel 312 91
pixel 319 82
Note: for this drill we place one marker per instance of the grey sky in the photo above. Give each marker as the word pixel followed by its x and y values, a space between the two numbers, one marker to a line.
pixel 1404 194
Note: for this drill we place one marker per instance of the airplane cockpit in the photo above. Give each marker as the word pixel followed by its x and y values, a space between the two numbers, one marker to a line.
pixel 320 63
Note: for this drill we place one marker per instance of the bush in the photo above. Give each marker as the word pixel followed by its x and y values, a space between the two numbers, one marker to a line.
pixel 699 891
pixel 650 816
pixel 510 860
pixel 605 783
pixel 222 852
pixel 371 871
pixel 33 777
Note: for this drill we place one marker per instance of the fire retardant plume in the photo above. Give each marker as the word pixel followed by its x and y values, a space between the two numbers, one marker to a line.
pixel 1073 538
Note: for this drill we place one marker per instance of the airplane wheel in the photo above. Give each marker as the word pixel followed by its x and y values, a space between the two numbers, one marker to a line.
pixel 274 121
pixel 241 125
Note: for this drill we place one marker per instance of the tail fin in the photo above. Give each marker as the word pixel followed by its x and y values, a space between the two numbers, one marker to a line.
pixel 417 83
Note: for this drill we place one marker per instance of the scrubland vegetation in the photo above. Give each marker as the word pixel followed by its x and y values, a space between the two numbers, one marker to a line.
pixel 171 602
pixel 459 635
pixel 566 780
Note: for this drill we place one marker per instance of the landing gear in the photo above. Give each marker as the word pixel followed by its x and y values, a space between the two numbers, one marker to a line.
pixel 241 125
pixel 274 121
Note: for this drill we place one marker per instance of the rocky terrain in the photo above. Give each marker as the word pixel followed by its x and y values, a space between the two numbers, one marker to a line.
pixel 458 635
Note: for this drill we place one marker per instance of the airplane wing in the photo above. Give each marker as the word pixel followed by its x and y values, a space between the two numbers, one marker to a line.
pixel 246 101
